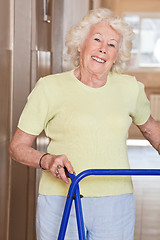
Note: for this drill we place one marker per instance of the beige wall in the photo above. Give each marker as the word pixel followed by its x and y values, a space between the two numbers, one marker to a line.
pixel 120 6
pixel 151 79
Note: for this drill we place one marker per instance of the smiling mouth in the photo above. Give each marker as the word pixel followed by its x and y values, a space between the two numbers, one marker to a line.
pixel 98 59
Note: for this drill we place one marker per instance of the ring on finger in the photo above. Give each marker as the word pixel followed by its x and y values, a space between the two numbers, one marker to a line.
pixel 57 173
pixel 59 166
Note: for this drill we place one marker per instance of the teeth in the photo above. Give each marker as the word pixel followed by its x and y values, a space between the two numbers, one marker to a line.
pixel 98 60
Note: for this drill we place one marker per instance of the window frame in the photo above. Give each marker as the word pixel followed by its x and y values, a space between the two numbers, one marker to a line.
pixel 142 15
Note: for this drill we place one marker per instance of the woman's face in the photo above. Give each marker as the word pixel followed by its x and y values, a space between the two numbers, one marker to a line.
pixel 99 49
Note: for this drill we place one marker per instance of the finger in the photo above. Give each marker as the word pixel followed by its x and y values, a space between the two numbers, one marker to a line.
pixel 69 166
pixel 57 173
pixel 59 166
pixel 67 163
pixel 63 175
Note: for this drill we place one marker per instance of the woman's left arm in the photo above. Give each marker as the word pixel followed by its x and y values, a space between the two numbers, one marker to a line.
pixel 151 131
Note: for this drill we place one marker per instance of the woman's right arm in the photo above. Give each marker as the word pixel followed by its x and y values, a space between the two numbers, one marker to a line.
pixel 21 150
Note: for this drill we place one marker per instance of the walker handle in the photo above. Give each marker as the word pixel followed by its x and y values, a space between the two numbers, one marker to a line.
pixel 69 175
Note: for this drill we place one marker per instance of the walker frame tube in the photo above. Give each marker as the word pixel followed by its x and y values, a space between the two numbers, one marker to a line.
pixel 74 193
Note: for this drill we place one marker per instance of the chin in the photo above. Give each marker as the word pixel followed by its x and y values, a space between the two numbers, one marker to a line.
pixel 98 71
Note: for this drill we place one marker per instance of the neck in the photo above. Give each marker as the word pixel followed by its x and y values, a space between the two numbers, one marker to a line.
pixel 91 79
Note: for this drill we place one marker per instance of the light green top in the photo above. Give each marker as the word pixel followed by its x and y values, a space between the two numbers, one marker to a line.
pixel 88 125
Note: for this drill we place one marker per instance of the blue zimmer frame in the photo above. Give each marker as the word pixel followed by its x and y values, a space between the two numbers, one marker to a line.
pixel 74 193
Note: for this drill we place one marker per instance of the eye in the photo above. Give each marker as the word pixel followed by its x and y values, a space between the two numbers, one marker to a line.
pixel 97 39
pixel 111 45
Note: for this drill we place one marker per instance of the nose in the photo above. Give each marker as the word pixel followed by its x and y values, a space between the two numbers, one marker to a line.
pixel 102 51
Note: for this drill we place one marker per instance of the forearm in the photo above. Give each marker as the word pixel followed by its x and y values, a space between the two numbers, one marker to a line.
pixel 151 131
pixel 31 157
pixel 154 141
pixel 26 155
pixel 21 150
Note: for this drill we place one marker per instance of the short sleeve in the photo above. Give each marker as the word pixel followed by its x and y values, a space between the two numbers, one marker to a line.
pixel 34 117
pixel 142 107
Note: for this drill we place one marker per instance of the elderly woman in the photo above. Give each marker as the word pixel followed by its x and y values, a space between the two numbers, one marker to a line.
pixel 86 113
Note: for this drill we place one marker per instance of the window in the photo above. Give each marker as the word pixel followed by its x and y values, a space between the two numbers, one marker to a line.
pixel 146 44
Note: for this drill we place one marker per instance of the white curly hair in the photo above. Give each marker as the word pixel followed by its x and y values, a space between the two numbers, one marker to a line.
pixel 78 33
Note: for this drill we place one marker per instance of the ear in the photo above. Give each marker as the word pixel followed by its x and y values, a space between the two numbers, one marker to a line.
pixel 116 58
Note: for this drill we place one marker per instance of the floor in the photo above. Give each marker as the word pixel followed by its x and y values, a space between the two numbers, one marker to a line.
pixel 147 193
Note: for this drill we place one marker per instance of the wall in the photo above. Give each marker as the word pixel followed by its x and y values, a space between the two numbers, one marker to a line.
pixel 73 14
pixel 22 177
pixel 120 6
pixel 5 86
pixel 31 60
pixel 37 51
pixel 150 79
